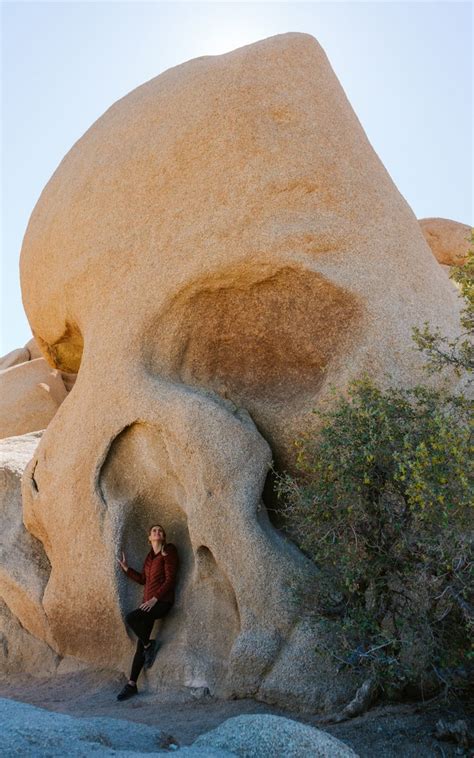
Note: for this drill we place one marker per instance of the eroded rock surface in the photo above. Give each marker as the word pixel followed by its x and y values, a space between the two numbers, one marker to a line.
pixel 241 234
pixel 217 252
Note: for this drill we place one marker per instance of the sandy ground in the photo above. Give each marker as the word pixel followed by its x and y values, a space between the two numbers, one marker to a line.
pixel 401 731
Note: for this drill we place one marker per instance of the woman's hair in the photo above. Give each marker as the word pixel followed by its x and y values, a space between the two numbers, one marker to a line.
pixel 162 550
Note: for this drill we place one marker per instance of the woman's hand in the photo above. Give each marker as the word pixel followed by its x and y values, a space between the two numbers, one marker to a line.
pixel 149 604
pixel 123 562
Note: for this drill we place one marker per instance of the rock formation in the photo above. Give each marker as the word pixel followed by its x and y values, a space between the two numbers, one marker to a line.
pixel 30 391
pixel 220 249
pixel 449 240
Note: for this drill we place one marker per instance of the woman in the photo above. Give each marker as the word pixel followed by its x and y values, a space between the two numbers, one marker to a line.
pixel 159 577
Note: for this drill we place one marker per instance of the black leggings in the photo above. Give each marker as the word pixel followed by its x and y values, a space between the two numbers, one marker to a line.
pixel 142 623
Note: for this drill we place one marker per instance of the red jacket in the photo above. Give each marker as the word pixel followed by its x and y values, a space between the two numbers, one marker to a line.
pixel 158 574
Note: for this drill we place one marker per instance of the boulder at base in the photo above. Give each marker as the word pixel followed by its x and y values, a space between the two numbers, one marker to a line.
pixel 264 736
pixel 30 731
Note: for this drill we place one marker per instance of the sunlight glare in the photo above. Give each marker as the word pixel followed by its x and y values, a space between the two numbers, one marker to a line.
pixel 223 39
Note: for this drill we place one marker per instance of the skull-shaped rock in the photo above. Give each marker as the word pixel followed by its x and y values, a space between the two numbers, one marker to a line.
pixel 220 249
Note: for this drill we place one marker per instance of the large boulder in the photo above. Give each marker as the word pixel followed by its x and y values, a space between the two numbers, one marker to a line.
pixel 218 251
pixel 227 225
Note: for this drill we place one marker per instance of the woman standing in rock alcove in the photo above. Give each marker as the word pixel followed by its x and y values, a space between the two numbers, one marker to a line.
pixel 159 577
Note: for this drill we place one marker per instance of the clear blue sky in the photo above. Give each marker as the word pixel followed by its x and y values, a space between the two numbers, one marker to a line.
pixel 406 68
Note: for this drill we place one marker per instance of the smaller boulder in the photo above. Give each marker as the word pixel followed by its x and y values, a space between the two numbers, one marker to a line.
pixel 30 394
pixel 449 240
pixel 259 736
pixel 20 355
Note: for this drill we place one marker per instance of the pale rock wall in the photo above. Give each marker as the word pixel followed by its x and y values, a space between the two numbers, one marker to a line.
pixel 24 567
pixel 26 644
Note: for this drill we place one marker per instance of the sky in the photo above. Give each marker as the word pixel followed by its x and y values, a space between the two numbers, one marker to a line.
pixel 406 67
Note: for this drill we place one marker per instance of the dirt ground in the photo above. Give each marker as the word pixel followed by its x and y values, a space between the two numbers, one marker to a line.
pixel 396 731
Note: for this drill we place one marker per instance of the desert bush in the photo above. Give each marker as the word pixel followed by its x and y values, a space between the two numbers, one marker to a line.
pixel 383 504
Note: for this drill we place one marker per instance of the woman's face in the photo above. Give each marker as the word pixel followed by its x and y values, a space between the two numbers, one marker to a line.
pixel 156 533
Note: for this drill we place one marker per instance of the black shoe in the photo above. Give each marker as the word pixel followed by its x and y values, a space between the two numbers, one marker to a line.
pixel 150 654
pixel 128 691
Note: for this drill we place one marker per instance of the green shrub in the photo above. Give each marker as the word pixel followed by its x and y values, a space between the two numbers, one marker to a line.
pixel 383 505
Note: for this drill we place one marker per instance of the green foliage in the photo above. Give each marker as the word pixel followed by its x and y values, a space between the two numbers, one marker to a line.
pixel 384 505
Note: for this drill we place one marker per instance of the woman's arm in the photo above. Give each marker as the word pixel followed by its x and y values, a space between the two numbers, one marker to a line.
pixel 140 578
pixel 135 575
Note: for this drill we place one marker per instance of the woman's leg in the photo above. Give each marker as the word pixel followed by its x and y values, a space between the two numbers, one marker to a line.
pixel 137 663
pixel 142 624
